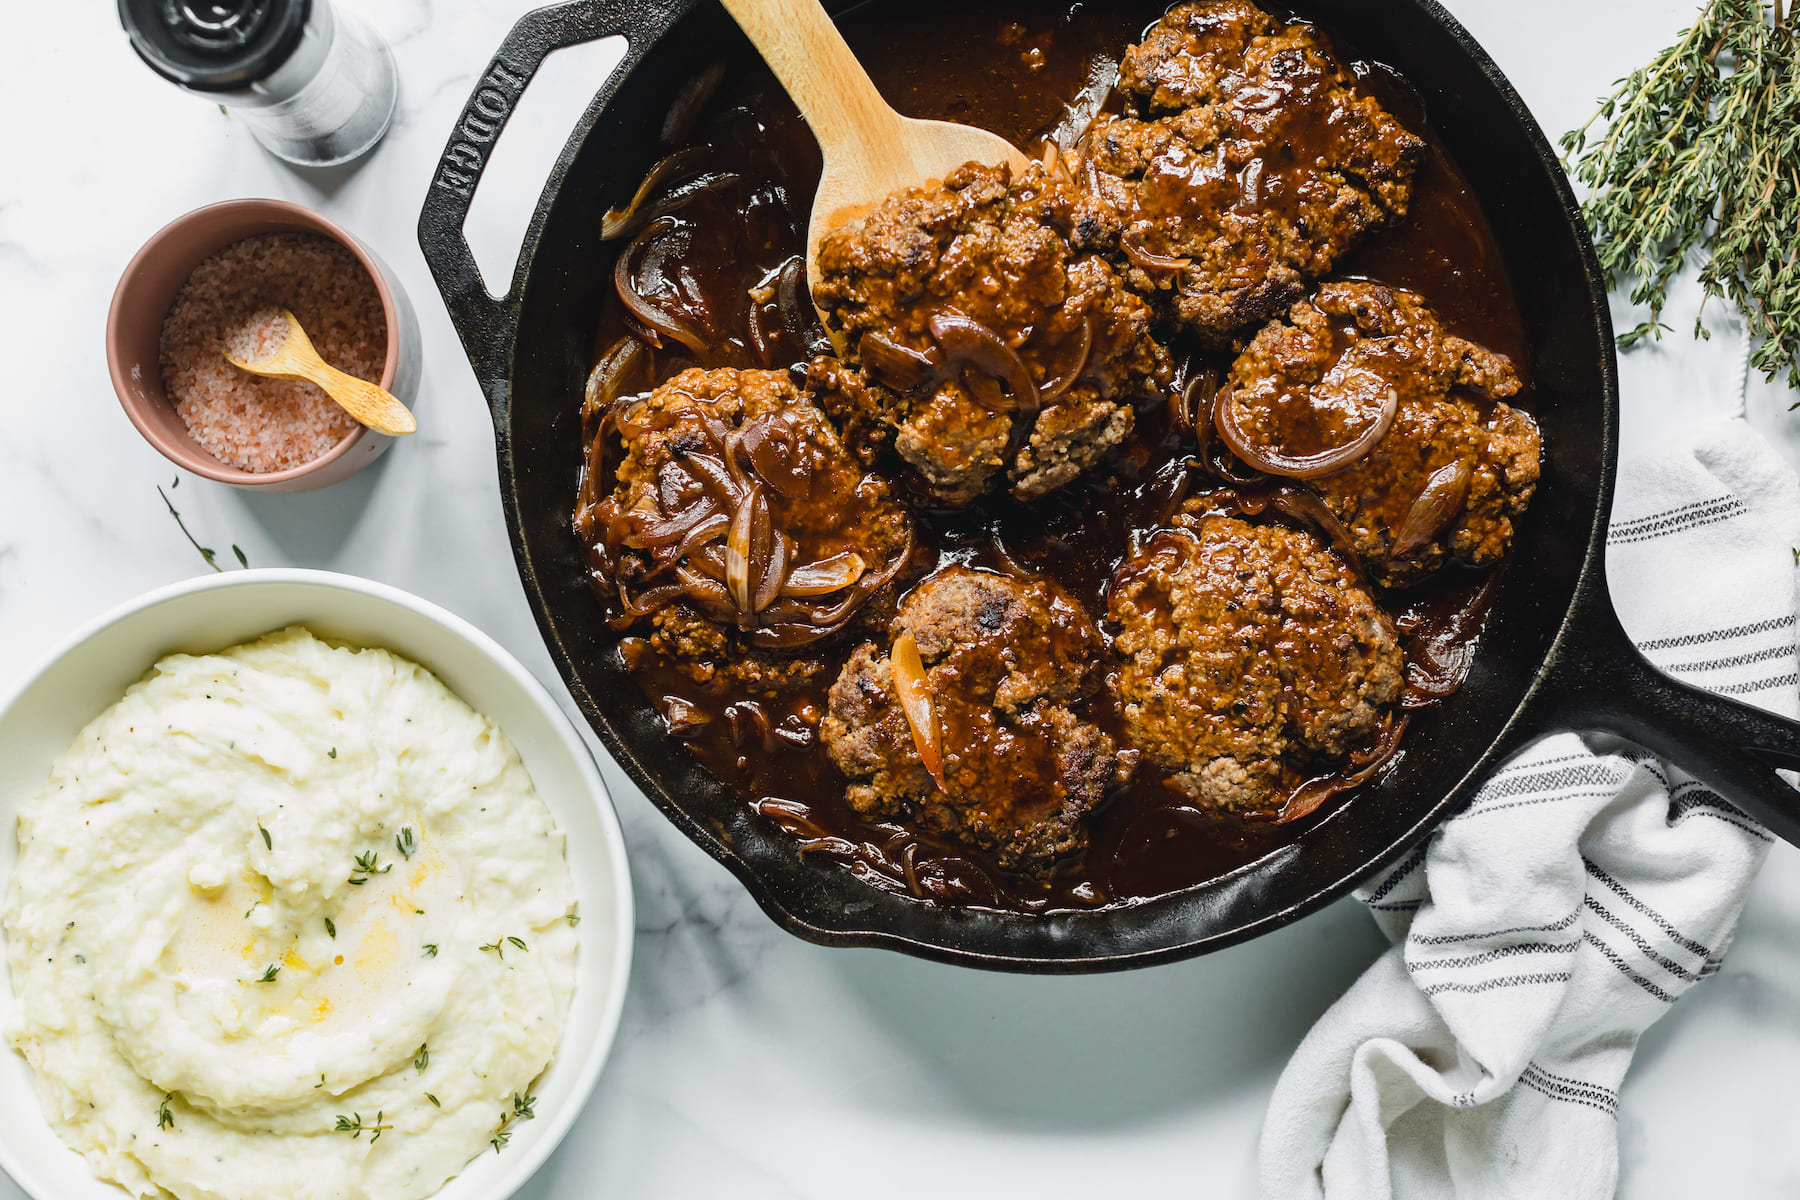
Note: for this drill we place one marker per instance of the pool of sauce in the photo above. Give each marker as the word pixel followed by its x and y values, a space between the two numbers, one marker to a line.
pixel 1026 71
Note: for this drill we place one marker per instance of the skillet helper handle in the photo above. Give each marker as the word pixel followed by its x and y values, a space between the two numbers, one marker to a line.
pixel 485 322
pixel 1598 679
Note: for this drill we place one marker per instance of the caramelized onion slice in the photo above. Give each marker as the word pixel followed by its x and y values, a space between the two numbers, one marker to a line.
pixel 608 378
pixel 703 531
pixel 1310 510
pixel 651 600
pixel 769 443
pixel 1307 798
pixel 1052 392
pixel 966 340
pixel 896 365
pixel 1301 466
pixel 740 547
pixel 825 576
pixel 648 532
pixel 689 102
pixel 616 221
pixel 914 692
pixel 625 282
pixel 1440 503
pixel 1149 259
pixel 707 595
pixel 774 571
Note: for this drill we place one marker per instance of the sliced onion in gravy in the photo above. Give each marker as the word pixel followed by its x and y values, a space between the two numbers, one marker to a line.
pixel 914 692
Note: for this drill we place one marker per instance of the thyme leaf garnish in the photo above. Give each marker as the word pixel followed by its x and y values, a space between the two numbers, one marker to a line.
pixel 499 944
pixel 365 867
pixel 572 917
pixel 431 949
pixel 422 1059
pixel 433 1099
pixel 522 1110
pixel 331 928
pixel 354 1126
pixel 206 552
pixel 164 1118
pixel 269 973
pixel 403 841
pixel 268 841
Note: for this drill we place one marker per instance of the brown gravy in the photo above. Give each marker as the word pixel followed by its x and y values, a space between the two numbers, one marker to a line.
pixel 1025 71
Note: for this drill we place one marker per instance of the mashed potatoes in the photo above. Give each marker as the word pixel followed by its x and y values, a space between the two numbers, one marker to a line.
pixel 288 921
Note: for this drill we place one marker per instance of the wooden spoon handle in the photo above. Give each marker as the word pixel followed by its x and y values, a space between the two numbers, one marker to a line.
pixel 831 89
pixel 369 403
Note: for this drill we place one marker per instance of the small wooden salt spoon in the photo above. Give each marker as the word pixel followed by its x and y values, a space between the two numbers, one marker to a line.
pixel 870 150
pixel 295 358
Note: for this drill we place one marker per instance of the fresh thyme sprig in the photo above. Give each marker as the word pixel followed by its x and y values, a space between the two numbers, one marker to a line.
pixel 365 867
pixel 206 552
pixel 1701 149
pixel 522 1110
pixel 498 946
pixel 354 1126
pixel 403 841
pixel 269 974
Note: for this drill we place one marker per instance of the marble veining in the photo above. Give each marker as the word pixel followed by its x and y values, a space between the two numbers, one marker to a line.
pixel 749 1062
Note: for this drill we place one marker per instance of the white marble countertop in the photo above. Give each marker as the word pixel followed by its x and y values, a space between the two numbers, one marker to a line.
pixel 748 1060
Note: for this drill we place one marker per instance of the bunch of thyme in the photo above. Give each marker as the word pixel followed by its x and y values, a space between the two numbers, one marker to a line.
pixel 1701 150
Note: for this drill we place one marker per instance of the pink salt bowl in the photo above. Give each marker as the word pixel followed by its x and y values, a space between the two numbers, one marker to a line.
pixel 147 290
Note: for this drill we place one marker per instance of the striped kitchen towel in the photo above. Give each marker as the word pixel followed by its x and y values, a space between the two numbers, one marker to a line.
pixel 1541 931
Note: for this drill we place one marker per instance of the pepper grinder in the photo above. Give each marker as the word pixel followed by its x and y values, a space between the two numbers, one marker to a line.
pixel 316 87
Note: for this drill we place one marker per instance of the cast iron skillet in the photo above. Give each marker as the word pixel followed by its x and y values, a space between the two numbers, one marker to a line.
pixel 1554 656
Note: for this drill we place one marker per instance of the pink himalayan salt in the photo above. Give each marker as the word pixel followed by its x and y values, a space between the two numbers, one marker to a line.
pixel 232 300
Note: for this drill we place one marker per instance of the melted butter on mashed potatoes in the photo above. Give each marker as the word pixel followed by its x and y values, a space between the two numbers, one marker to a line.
pixel 201 1002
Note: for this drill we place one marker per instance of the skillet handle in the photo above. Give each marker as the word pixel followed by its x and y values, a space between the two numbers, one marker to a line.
pixel 487 323
pixel 1596 678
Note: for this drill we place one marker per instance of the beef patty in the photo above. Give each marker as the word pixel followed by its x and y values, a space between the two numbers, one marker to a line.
pixel 1454 470
pixel 1251 166
pixel 1007 664
pixel 740 529
pixel 1251 659
pixel 983 339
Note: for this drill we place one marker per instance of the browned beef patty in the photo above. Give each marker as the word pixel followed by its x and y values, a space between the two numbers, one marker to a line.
pixel 1008 663
pixel 722 440
pixel 1251 659
pixel 990 348
pixel 1253 164
pixel 1311 380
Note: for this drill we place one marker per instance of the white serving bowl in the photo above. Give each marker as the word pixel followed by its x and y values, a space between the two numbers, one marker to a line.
pixel 92 669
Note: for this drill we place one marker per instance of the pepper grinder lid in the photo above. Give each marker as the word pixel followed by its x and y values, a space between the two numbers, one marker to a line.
pixel 214 45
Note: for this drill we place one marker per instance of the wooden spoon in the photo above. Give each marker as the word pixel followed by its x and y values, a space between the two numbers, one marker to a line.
pixel 368 402
pixel 870 150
